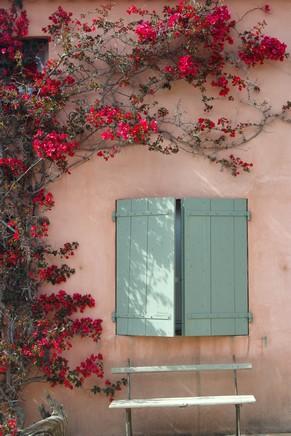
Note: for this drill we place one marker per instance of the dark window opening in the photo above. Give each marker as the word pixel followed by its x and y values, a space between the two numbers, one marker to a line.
pixel 35 53
pixel 178 270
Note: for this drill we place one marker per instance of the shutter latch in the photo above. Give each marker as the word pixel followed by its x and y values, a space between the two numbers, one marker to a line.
pixel 114 216
pixel 113 317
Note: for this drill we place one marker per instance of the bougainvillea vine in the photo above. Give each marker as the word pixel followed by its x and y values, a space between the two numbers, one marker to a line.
pixel 124 66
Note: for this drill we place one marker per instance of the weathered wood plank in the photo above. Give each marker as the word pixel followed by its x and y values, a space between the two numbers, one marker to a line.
pixel 196 266
pixel 182 401
pixel 161 263
pixel 123 254
pixel 241 268
pixel 181 368
pixel 222 267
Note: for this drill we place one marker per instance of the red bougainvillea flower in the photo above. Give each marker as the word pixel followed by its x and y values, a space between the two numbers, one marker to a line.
pixel 48 87
pixel 220 14
pixel 124 126
pixel 256 49
pixel 175 18
pixel 40 230
pixel 13 226
pixel 267 8
pixel 187 67
pixel 54 146
pixel 44 199
pixel 146 32
pixel 16 166
pixel 61 17
pixel 222 83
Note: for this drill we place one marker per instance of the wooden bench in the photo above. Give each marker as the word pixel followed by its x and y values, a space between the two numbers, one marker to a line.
pixel 128 404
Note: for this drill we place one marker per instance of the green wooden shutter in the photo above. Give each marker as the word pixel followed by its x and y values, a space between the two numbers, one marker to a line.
pixel 145 276
pixel 215 267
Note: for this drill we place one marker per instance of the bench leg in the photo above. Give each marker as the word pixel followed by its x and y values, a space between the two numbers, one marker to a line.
pixel 128 425
pixel 237 420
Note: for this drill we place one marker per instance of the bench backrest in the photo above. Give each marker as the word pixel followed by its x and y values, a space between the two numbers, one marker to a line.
pixel 181 368
pixel 130 370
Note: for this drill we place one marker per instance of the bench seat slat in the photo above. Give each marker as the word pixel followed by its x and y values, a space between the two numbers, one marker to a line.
pixel 181 368
pixel 182 401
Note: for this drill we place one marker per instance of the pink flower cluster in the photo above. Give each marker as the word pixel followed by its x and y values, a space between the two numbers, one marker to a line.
pixel 54 146
pixel 267 8
pixel 218 24
pixel 174 19
pixel 222 83
pixel 53 330
pixel 92 365
pixel 146 32
pixel 12 28
pixel 222 125
pixel 10 258
pixel 63 302
pixel 135 10
pixel 234 164
pixel 60 16
pixel 187 67
pixel 205 123
pixel 257 48
pixel 9 428
pixel 219 14
pixel 15 166
pixel 44 199
pixel 120 125
pixel 67 250
pixel 87 326
pixel 48 87
pixel 12 225
pixel 40 230
pixel 55 274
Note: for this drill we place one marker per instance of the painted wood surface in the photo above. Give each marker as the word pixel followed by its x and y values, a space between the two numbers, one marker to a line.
pixel 182 401
pixel 181 368
pixel 215 267
pixel 145 282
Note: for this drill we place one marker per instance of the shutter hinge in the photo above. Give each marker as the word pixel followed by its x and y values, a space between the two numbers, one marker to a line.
pixel 113 317
pixel 251 317
pixel 114 216
pixel 249 215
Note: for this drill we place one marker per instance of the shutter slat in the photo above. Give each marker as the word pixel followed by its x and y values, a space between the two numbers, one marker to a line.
pixel 222 267
pixel 138 268
pixel 241 268
pixel 196 277
pixel 161 261
pixel 123 248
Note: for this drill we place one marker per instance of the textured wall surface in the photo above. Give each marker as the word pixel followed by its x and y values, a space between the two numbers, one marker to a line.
pixel 84 204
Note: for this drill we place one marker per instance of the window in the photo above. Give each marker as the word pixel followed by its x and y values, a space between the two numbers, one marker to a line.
pixel 35 52
pixel 181 267
pixel 35 55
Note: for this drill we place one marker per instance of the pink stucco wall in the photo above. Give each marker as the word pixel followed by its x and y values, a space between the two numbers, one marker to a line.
pixel 85 201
